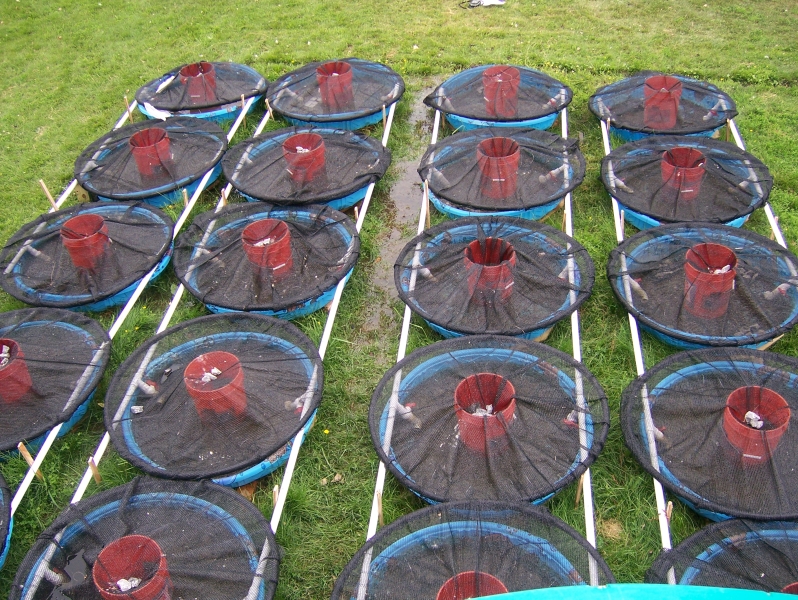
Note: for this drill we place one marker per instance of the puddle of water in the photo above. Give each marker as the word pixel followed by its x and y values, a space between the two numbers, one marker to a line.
pixel 406 199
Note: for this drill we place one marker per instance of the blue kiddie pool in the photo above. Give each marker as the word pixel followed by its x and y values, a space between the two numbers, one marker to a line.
pixel 479 417
pixel 216 397
pixel 474 548
pixel 348 93
pixel 641 591
pixel 500 96
pixel 52 362
pixel 672 280
pixel 681 179
pixel 193 539
pixel 745 554
pixel 6 520
pixel 498 275
pixel 205 90
pixel 87 257
pixel 306 165
pixel 721 429
pixel 277 261
pixel 654 103
pixel 509 172
pixel 152 162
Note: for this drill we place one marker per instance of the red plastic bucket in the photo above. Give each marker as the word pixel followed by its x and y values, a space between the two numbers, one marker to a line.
pixel 683 170
pixel 707 290
pixel 85 237
pixel 132 556
pixel 470 584
pixel 267 244
pixel 215 380
pixel 335 84
pixel 662 94
pixel 500 84
pixel 489 265
pixel 791 588
pixel 15 379
pixel 498 160
pixel 485 408
pixel 200 82
pixel 151 151
pixel 755 445
pixel 304 153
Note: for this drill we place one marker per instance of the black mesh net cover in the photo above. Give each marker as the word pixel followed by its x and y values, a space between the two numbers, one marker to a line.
pixel 469 550
pixel 201 85
pixel 332 164
pixel 5 519
pixel 651 102
pixel 488 418
pixel 502 169
pixel 721 424
pixel 213 396
pixel 337 90
pixel 674 179
pixel 85 254
pixel 170 539
pixel 500 93
pixel 224 268
pixel 706 285
pixel 499 275
pixel 150 158
pixel 50 361
pixel 754 555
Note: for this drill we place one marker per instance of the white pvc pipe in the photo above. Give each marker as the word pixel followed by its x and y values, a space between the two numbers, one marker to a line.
pixel 296 444
pixel 659 492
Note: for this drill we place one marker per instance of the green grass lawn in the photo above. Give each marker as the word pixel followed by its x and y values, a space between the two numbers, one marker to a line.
pixel 66 67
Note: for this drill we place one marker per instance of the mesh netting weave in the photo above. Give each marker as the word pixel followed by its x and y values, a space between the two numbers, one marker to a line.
pixel 435 552
pixel 210 542
pixel 502 169
pixel 225 268
pixel 500 93
pixel 493 275
pixel 332 92
pixel 202 85
pixel 56 358
pixel 723 434
pixel 150 158
pixel 706 284
pixel 219 394
pixel 267 167
pixel 651 102
pixel 85 254
pixel 754 555
pixel 488 417
pixel 679 179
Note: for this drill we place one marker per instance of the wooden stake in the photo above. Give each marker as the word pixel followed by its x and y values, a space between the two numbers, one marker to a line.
pixel 48 194
pixel 129 112
pixel 669 511
pixel 28 458
pixel 269 108
pixel 225 194
pixel 95 471
pixel 185 198
pixel 773 230
pixel 275 494
pixel 579 491
pixel 426 202
pixel 244 110
pixel 623 223
pixel 384 117
pixel 381 519
pixel 562 205
pixel 357 212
